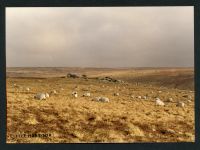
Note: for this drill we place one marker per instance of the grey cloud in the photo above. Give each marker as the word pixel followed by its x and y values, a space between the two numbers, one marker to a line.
pixel 100 37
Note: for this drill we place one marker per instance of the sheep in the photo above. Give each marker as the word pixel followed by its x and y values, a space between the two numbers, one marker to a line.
pixel 53 92
pixel 187 96
pixel 40 96
pixel 170 99
pixel 144 97
pixel 180 104
pixel 86 94
pixel 96 99
pixel 159 102
pixel 116 94
pixel 104 99
pixel 75 94
pixel 47 95
pixel 27 89
pixel 139 97
pixel 101 99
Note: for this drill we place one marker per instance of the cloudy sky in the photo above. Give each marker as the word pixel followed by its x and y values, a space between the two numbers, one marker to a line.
pixel 100 37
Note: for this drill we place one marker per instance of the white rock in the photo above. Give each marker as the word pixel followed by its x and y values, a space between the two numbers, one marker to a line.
pixel 159 102
pixel 40 96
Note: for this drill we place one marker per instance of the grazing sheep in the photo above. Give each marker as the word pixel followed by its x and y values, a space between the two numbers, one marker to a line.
pixel 86 94
pixel 139 97
pixel 27 89
pixel 40 96
pixel 101 99
pixel 144 97
pixel 159 102
pixel 53 92
pixel 116 94
pixel 75 94
pixel 170 99
pixel 104 99
pixel 96 99
pixel 180 104
pixel 47 95
pixel 187 96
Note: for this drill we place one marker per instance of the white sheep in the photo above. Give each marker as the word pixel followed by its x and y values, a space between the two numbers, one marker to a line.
pixel 75 94
pixel 144 97
pixel 101 99
pixel 53 92
pixel 116 94
pixel 47 95
pixel 40 96
pixel 86 94
pixel 139 97
pixel 96 99
pixel 159 102
pixel 104 99
pixel 170 99
pixel 27 89
pixel 132 96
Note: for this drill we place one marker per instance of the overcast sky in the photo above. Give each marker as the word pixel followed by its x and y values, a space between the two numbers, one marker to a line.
pixel 100 37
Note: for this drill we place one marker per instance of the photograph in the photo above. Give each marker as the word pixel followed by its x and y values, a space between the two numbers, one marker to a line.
pixel 100 74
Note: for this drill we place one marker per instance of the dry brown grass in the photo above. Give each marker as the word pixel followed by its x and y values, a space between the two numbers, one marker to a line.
pixel 124 119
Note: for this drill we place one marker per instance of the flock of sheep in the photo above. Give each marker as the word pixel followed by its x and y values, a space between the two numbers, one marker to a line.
pixel 158 101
